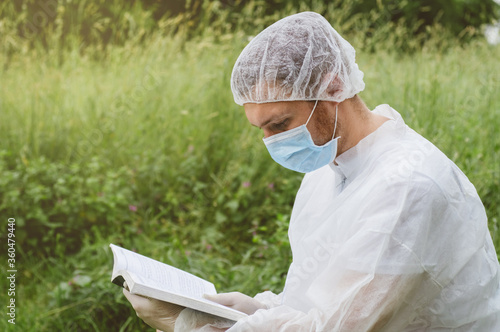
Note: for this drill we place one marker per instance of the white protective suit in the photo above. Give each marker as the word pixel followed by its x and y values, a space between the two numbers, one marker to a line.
pixel 392 238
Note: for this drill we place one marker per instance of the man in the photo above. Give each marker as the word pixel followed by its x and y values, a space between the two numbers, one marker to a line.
pixel 387 234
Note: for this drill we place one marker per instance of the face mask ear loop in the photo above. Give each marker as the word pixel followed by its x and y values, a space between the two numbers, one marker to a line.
pixel 312 112
pixel 335 128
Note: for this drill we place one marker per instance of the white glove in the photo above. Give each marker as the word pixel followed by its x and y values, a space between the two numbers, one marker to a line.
pixel 196 321
pixel 157 314
pixel 237 301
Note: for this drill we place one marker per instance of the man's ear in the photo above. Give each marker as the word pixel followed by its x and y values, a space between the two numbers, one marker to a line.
pixel 334 87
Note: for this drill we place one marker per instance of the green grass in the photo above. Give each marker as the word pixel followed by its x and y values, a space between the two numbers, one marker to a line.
pixel 153 126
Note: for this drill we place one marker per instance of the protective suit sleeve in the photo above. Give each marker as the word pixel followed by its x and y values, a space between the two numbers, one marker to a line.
pixel 369 310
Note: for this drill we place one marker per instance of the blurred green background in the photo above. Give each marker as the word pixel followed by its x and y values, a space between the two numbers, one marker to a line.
pixel 118 125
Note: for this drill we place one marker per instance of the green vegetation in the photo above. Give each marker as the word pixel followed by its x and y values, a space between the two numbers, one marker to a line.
pixel 137 141
pixel 67 24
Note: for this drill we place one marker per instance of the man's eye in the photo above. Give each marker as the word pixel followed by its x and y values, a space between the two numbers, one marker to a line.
pixel 281 125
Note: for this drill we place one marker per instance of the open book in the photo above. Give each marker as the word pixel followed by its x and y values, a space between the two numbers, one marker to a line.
pixel 160 281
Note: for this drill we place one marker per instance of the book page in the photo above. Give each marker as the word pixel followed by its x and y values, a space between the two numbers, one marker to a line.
pixel 147 271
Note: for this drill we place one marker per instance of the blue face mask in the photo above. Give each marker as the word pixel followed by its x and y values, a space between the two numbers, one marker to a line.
pixel 295 149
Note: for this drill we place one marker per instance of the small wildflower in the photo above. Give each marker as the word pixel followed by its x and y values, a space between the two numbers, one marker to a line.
pixel 208 246
pixel 132 208
pixel 271 186
pixel 246 184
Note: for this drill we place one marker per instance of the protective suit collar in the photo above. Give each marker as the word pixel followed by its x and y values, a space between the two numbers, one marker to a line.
pixel 351 163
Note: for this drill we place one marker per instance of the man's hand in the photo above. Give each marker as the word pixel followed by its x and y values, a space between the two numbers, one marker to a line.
pixel 237 301
pixel 157 314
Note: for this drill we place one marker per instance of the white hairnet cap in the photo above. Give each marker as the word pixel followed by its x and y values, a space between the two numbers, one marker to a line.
pixel 300 57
